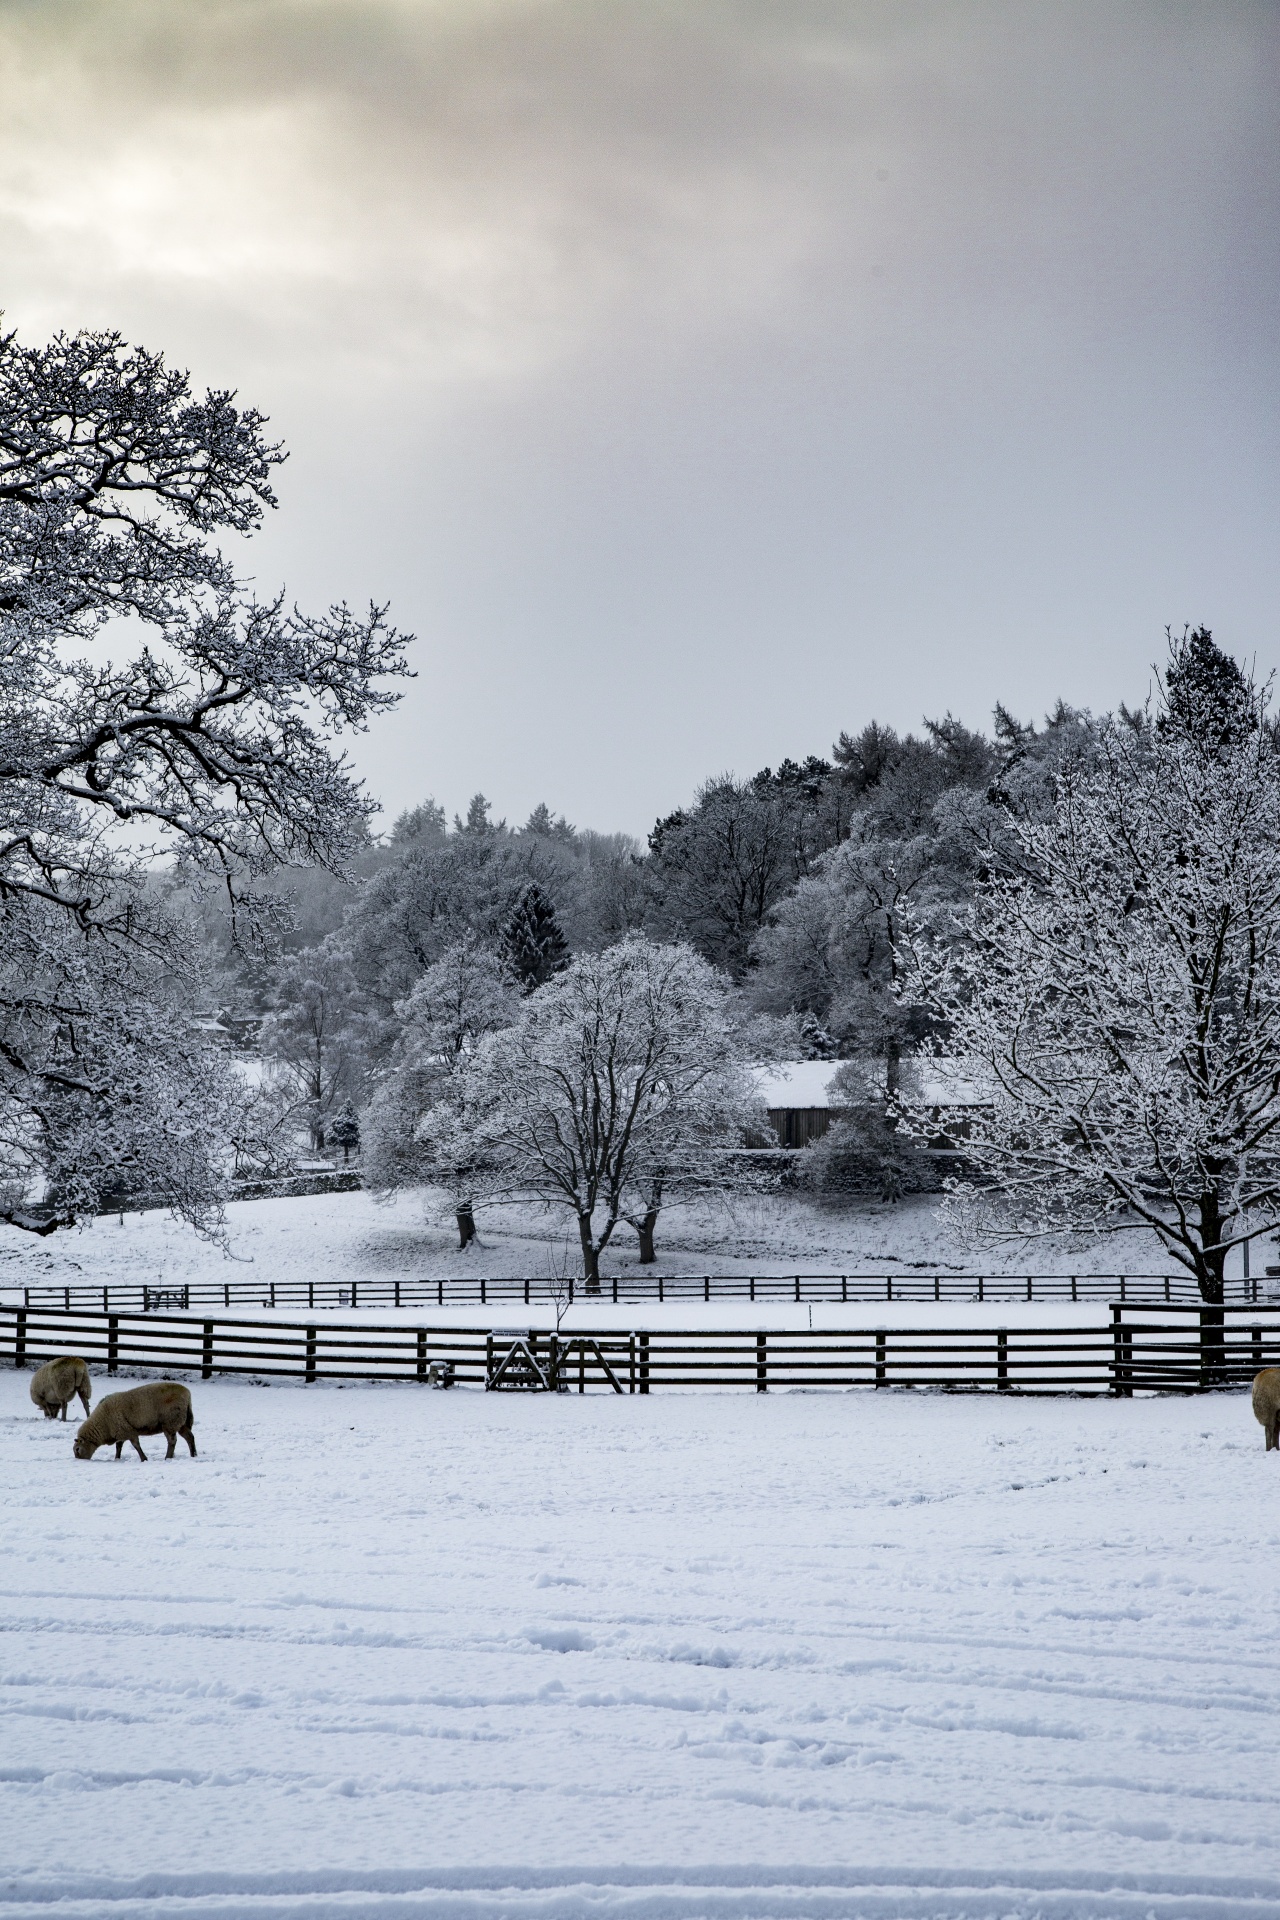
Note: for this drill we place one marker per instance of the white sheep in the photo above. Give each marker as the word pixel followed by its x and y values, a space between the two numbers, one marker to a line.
pixel 162 1406
pixel 57 1384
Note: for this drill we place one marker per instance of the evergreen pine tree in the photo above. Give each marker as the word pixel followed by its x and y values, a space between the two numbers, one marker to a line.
pixel 344 1130
pixel 534 946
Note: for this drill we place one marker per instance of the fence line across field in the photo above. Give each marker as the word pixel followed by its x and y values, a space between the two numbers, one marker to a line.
pixel 1134 1352
pixel 798 1288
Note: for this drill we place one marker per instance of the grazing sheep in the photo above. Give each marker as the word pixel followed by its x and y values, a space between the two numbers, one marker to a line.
pixel 1266 1403
pixel 161 1407
pixel 57 1384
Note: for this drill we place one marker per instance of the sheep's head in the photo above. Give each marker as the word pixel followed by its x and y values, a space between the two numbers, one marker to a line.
pixel 84 1447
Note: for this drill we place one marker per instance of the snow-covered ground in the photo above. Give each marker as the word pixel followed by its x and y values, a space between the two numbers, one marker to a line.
pixel 380 1650
pixel 350 1236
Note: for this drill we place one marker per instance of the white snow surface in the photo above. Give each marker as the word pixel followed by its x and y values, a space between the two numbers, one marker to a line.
pixel 346 1236
pixel 389 1650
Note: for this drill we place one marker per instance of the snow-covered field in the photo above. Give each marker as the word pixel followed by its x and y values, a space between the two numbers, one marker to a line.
pixel 380 1650
pixel 350 1236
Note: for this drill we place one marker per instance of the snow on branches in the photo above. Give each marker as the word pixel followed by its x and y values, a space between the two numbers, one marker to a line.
pixel 199 725
pixel 1112 997
pixel 618 1082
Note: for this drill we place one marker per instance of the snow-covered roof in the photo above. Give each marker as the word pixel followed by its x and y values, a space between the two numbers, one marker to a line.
pixel 796 1083
pixel 941 1082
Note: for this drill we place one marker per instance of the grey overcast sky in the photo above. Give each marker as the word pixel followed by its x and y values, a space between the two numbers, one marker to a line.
pixel 696 377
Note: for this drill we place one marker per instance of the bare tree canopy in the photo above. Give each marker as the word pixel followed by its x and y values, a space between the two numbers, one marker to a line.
pixel 1112 996
pixel 150 703
pixel 617 1078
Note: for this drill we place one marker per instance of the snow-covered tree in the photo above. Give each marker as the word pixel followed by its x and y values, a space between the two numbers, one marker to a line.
pixel 106 1090
pixel 465 995
pixel 312 1037
pixel 199 727
pixel 1113 995
pixel 603 1082
pixel 532 942
pixel 344 1130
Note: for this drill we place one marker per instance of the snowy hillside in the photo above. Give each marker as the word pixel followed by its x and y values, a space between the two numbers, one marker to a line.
pixel 347 1236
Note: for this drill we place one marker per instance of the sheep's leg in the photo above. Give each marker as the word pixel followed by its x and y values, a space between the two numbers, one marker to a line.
pixel 136 1443
pixel 119 1445
pixel 1273 1432
pixel 188 1434
pixel 84 1401
pixel 172 1438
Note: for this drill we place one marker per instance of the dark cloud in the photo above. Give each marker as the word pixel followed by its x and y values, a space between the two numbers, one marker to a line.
pixel 699 377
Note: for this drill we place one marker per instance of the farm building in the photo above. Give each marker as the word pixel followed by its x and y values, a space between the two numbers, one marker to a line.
pixel 800 1104
pixel 796 1094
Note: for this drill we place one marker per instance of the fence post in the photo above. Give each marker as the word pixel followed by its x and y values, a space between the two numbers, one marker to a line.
pixel 615 1289
pixel 1256 1332
pixel 644 1363
pixel 113 1342
pixel 631 1362
pixel 979 1289
pixel 762 1364
pixel 309 1368
pixel 844 1289
pixel 20 1338
pixel 937 1286
pixel 752 1288
pixel 483 1297
pixel 397 1293
pixel 706 1286
pixel 206 1352
pixel 1002 1358
pixel 422 1353
pixel 1028 1286
pixel 439 1293
pixel 488 1360
pixel 105 1302
pixel 881 1368
pixel 1121 1350
pixel 1073 1286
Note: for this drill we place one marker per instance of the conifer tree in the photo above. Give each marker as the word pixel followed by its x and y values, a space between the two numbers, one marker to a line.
pixel 534 946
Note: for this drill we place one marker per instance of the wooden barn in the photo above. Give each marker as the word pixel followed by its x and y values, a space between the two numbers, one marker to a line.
pixel 796 1094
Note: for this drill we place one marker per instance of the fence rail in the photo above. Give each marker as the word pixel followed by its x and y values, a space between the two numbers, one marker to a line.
pixel 1137 1351
pixel 1170 1289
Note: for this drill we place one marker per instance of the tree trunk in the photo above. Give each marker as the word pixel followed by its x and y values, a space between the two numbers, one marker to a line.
pixel 466 1225
pixel 590 1255
pixel 644 1232
pixel 1211 1273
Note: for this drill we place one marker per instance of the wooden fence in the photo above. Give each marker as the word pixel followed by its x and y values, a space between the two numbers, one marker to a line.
pixel 1137 1350
pixel 640 1289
